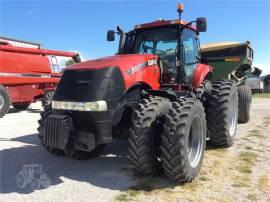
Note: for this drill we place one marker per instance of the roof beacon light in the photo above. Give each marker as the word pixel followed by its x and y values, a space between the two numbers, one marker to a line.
pixel 180 7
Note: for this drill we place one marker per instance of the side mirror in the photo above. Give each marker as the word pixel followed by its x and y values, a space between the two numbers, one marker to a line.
pixel 110 35
pixel 201 24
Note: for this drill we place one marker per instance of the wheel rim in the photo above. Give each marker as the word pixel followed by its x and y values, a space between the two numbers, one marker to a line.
pixel 232 116
pixel 195 141
pixel 1 101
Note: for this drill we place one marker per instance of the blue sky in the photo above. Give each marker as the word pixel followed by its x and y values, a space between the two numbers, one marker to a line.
pixel 82 25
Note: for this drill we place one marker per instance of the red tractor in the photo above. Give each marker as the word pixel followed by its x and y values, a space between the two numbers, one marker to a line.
pixel 26 75
pixel 156 91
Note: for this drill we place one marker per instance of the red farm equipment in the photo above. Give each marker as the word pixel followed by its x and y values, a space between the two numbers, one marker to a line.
pixel 28 75
pixel 157 91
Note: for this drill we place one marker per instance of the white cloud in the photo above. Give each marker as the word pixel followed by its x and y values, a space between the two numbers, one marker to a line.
pixel 264 67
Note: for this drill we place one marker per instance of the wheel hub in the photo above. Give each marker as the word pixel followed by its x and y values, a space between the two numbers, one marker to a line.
pixel 232 117
pixel 195 141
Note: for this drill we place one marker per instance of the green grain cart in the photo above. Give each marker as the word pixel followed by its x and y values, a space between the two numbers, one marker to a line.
pixel 233 60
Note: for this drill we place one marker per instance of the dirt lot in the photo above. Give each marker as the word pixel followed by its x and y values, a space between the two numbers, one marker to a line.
pixel 240 173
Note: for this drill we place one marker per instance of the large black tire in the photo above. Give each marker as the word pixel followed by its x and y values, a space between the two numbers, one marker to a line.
pixel 75 154
pixel 145 134
pixel 222 113
pixel 183 140
pixel 44 114
pixel 244 102
pixel 4 101
pixel 47 98
pixel 21 106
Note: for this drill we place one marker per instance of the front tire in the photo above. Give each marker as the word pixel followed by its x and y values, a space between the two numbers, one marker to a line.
pixel 183 140
pixel 4 101
pixel 44 114
pixel 75 154
pixel 145 134
pixel 244 102
pixel 222 113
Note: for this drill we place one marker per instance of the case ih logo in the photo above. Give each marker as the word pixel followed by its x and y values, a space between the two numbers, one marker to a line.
pixel 140 66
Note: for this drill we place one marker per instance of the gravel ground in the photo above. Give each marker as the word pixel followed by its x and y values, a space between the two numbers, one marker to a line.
pixel 110 177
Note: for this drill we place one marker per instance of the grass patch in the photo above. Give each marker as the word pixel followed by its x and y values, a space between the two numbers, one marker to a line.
pixel 219 153
pixel 203 178
pixel 248 140
pixel 264 182
pixel 244 169
pixel 252 197
pixel 261 95
pixel 266 121
pixel 144 185
pixel 127 196
pixel 248 161
pixel 241 181
pixel 248 157
pixel 255 133
pixel 248 148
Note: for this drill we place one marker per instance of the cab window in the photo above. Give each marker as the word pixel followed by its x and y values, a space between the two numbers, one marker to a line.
pixel 191 46
pixel 191 53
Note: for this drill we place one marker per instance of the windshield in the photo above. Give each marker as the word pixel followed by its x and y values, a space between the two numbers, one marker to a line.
pixel 160 42
pixel 163 42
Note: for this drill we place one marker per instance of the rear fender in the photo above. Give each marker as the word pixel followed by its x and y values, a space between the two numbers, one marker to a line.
pixel 201 72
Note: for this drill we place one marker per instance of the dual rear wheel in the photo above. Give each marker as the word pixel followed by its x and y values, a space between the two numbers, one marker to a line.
pixel 168 135
pixel 171 136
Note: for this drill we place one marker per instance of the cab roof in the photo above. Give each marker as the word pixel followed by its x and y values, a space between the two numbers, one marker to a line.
pixel 161 23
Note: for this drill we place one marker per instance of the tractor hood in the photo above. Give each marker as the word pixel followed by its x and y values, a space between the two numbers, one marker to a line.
pixel 106 78
pixel 124 62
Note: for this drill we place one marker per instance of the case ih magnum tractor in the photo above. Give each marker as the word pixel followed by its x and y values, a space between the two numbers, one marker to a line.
pixel 26 75
pixel 157 89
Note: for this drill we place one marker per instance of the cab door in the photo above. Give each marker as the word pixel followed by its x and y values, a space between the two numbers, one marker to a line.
pixel 191 53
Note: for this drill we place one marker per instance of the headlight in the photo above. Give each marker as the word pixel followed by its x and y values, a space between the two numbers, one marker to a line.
pixel 97 106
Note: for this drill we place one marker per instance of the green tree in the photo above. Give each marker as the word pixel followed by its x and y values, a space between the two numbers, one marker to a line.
pixel 69 62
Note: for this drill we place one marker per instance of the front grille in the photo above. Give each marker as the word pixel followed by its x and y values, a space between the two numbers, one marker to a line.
pixel 90 85
pixel 57 130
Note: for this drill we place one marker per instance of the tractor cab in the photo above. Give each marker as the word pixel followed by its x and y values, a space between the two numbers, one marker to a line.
pixel 175 42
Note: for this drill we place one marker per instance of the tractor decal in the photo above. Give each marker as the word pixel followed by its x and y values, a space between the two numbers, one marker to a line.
pixel 136 68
